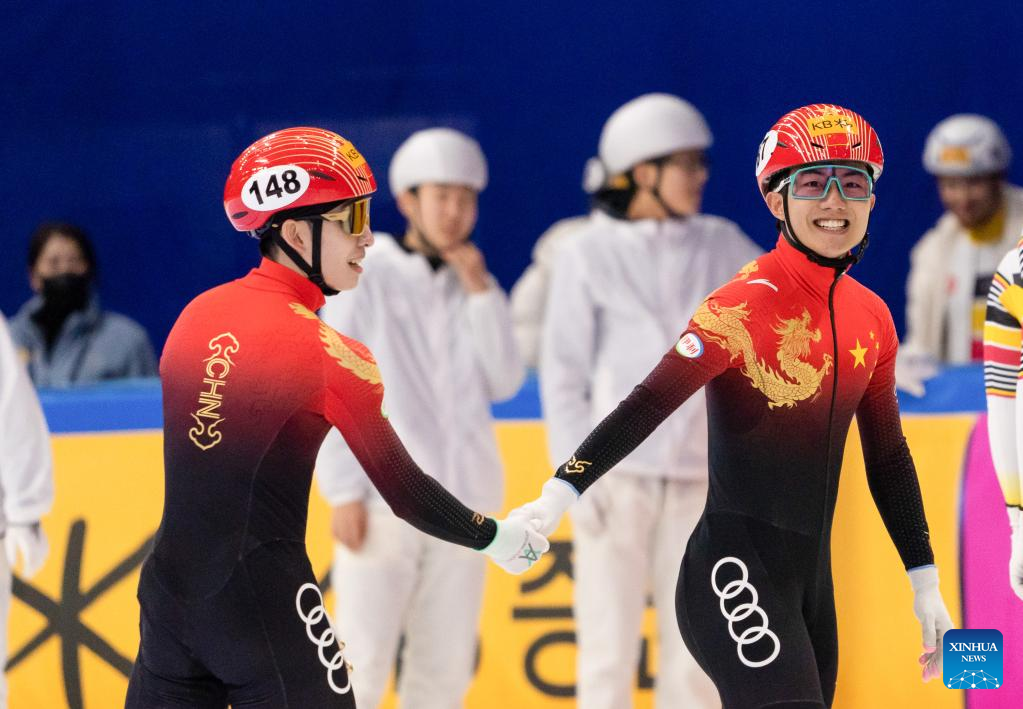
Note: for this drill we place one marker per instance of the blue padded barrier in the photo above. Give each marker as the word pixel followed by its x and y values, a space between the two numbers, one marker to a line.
pixel 135 404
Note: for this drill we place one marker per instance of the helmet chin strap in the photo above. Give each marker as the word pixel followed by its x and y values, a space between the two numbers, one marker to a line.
pixel 840 263
pixel 312 271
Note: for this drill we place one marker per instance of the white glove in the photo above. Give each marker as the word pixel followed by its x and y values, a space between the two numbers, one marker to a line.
pixel 1016 557
pixel 545 512
pixel 591 514
pixel 30 540
pixel 517 545
pixel 933 616
pixel 912 369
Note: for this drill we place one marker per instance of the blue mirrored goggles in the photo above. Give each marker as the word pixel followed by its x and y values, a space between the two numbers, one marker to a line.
pixel 814 182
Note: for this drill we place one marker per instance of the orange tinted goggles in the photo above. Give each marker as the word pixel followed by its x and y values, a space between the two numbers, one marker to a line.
pixel 354 218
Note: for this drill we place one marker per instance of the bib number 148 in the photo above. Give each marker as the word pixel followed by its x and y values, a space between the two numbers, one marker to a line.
pixel 275 187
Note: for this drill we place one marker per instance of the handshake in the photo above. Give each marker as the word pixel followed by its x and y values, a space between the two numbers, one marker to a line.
pixel 521 537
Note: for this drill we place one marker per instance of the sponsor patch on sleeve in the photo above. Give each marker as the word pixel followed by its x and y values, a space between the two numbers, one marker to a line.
pixel 689 345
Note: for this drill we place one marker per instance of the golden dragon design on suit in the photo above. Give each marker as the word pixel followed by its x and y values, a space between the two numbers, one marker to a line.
pixel 747 270
pixel 364 368
pixel 797 379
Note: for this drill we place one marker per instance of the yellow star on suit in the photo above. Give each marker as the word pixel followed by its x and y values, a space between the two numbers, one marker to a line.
pixel 859 355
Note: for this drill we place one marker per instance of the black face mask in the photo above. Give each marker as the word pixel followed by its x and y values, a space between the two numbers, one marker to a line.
pixel 65 293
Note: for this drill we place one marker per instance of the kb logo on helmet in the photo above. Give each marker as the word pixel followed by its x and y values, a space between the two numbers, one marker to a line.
pixel 830 123
pixel 326 640
pixel 742 611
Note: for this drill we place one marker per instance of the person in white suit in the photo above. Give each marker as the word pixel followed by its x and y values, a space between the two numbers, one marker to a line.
pixel 26 480
pixel 440 328
pixel 952 264
pixel 620 286
pixel 529 294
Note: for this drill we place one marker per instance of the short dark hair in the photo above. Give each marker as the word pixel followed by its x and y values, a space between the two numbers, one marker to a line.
pixel 615 197
pixel 775 180
pixel 268 248
pixel 47 230
pixel 615 203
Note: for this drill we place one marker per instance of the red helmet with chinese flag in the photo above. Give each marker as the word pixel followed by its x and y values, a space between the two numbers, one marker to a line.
pixel 293 169
pixel 820 132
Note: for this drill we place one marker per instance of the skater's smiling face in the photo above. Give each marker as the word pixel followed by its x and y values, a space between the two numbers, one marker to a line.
pixel 834 224
pixel 341 253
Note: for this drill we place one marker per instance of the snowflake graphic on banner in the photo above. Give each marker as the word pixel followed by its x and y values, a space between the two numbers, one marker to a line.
pixel 970 679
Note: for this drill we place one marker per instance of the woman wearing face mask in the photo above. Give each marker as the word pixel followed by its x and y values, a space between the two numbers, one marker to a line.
pixel 62 333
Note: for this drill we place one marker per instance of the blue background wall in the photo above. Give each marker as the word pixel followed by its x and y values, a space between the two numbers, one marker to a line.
pixel 125 116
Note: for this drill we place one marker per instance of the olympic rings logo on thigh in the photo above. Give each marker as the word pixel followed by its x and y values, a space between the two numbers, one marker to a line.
pixel 743 611
pixel 324 641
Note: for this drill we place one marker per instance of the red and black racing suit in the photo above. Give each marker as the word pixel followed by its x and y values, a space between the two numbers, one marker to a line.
pixel 789 351
pixel 252 381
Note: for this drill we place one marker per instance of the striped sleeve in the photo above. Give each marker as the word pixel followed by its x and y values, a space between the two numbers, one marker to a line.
pixel 1002 352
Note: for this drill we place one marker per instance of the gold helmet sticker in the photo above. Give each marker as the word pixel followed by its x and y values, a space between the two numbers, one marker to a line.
pixel 831 123
pixel 352 156
pixel 958 154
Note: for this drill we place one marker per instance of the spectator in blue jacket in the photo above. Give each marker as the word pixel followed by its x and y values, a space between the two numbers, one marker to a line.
pixel 62 333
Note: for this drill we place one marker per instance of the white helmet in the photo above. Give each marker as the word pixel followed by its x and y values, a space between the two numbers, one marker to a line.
pixel 648 127
pixel 965 145
pixel 438 155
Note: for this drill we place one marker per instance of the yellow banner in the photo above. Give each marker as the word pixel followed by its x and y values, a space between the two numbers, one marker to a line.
pixel 74 628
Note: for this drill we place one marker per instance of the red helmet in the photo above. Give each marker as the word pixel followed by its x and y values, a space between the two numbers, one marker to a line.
pixel 817 133
pixel 292 168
